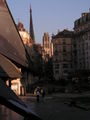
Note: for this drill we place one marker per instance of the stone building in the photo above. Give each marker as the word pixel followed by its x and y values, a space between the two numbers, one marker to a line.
pixel 62 58
pixel 19 85
pixel 24 35
pixel 12 48
pixel 81 43
pixel 81 48
pixel 47 48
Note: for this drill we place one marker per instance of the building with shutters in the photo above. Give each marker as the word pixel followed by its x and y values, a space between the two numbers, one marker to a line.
pixel 62 57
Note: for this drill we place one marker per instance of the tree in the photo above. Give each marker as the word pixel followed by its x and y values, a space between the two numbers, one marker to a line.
pixel 37 62
pixel 48 70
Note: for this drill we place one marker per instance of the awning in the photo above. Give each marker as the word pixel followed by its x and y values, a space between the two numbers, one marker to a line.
pixel 8 69
pixel 11 44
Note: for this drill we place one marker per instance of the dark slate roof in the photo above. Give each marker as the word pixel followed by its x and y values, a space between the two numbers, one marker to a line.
pixel 11 44
pixel 2 2
pixel 64 33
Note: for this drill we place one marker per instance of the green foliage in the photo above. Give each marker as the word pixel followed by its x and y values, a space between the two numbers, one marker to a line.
pixel 48 69
pixel 36 62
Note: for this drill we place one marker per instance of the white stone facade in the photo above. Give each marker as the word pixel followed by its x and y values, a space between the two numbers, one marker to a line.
pixel 47 46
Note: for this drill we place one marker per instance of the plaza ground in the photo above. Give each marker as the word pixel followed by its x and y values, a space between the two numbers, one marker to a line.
pixel 54 107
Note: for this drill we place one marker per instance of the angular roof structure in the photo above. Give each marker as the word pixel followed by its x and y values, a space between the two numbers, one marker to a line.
pixel 11 49
pixel 65 33
pixel 8 69
pixel 11 44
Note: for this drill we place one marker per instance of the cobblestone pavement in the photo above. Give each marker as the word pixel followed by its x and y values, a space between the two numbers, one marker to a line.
pixel 53 107
pixel 7 114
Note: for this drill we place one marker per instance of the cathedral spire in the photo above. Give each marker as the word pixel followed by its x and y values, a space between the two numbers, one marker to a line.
pixel 31 26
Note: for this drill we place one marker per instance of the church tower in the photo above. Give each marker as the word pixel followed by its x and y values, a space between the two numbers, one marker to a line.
pixel 46 45
pixel 31 26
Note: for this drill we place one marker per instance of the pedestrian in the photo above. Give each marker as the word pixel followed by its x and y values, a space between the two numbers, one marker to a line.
pixel 43 94
pixel 37 95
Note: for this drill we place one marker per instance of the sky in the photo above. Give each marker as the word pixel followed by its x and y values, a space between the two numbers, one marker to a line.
pixel 48 15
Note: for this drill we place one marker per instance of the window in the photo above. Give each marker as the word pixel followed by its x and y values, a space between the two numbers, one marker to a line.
pixel 65 66
pixel 64 41
pixel 57 66
pixel 64 48
pixel 65 71
pixel 86 46
pixel 56 71
pixel 64 57
pixel 89 37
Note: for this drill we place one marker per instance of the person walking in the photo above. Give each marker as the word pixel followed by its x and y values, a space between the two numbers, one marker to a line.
pixel 43 94
pixel 37 95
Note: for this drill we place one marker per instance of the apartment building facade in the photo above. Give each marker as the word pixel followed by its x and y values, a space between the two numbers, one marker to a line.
pixel 81 43
pixel 62 57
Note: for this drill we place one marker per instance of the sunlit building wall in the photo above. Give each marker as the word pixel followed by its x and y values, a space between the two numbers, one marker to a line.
pixel 46 46
pixel 27 77
pixel 15 85
pixel 19 85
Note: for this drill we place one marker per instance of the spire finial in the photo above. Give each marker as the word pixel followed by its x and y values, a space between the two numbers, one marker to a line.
pixel 30 8
pixel 31 25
